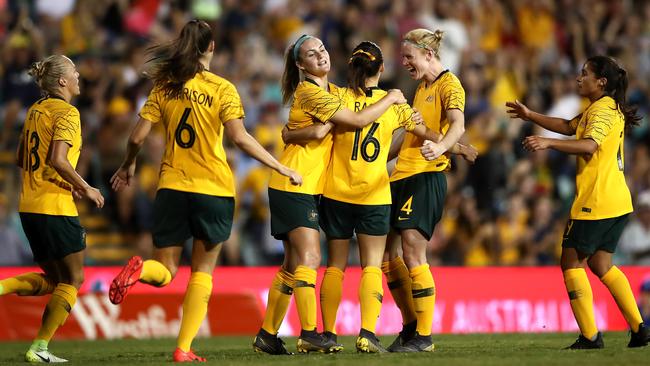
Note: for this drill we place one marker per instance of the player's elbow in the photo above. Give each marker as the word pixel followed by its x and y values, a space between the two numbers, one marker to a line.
pixel 58 162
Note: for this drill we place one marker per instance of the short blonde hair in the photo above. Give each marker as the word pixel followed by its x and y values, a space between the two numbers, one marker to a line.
pixel 425 39
pixel 47 72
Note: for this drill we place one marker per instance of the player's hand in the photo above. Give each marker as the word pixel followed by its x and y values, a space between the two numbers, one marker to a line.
pixel 431 150
pixel 417 117
pixel 294 176
pixel 469 153
pixel 518 110
pixel 77 193
pixel 94 195
pixel 534 143
pixel 122 177
pixel 396 96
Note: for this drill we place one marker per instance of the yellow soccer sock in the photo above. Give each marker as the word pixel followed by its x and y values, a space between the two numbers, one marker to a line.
pixel 155 273
pixel 305 294
pixel 619 287
pixel 57 310
pixel 424 297
pixel 581 298
pixel 195 306
pixel 27 284
pixel 399 284
pixel 278 301
pixel 371 294
pixel 331 291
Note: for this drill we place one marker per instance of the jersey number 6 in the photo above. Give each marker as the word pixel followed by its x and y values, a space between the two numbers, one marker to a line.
pixel 184 126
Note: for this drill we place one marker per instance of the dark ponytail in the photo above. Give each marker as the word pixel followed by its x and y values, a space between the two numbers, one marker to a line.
pixel 172 64
pixel 291 75
pixel 616 86
pixel 365 62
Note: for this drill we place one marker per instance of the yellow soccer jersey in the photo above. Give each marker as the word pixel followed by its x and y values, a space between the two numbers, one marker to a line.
pixel 311 104
pixel 357 173
pixel 601 191
pixel 194 159
pixel 43 190
pixel 432 102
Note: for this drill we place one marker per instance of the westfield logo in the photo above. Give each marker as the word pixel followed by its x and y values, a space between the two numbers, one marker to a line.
pixel 98 318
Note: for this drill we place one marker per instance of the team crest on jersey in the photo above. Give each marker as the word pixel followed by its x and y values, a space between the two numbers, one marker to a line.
pixel 312 216
pixel 429 99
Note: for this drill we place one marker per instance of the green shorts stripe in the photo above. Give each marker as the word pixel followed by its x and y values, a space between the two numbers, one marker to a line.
pixel 53 237
pixel 418 201
pixel 588 236
pixel 179 216
pixel 340 220
pixel 290 210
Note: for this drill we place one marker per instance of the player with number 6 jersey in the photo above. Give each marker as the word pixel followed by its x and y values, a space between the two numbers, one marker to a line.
pixel 195 196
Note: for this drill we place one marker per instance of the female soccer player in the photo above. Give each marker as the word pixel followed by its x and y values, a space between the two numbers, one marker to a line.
pixel 294 210
pixel 603 202
pixel 48 152
pixel 418 187
pixel 196 187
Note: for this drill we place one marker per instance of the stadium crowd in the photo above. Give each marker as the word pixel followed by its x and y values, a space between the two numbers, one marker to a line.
pixel 509 208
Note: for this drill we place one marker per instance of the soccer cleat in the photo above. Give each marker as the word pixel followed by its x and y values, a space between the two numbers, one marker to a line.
pixel 367 342
pixel 269 343
pixel 405 335
pixel 43 356
pixel 329 336
pixel 128 277
pixel 312 341
pixel 418 343
pixel 189 356
pixel 583 343
pixel 640 338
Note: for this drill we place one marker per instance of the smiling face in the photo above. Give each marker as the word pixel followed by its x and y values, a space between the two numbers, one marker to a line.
pixel 588 83
pixel 414 60
pixel 314 58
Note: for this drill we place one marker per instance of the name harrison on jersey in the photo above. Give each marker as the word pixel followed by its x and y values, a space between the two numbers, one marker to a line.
pixel 196 97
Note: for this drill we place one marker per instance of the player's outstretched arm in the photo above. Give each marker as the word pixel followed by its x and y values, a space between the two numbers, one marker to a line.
pixel 364 117
pixel 559 125
pixel 237 133
pixel 123 175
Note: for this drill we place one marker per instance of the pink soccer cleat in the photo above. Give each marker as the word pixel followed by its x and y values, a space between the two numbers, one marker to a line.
pixel 128 277
pixel 189 356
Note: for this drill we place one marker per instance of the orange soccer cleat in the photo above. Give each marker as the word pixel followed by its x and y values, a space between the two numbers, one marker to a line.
pixel 128 277
pixel 189 356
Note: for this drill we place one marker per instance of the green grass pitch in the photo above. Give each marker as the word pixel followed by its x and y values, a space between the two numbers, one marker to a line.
pixel 472 349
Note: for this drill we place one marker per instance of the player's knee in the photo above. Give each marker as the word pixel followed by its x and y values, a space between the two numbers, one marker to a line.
pixel 599 268
pixel 75 278
pixel 309 258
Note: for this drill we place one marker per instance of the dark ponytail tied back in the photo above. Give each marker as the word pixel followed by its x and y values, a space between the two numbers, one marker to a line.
pixel 365 62
pixel 616 85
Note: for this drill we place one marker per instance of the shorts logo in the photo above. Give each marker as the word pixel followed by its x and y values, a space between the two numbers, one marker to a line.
pixel 400 218
pixel 312 216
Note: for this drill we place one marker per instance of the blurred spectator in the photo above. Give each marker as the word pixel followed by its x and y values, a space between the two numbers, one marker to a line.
pixel 15 249
pixel 635 240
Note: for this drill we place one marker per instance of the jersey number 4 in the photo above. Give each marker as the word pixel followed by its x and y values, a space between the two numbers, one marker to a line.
pixel 368 140
pixel 184 126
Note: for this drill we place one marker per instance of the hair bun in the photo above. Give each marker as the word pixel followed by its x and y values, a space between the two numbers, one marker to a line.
pixel 37 70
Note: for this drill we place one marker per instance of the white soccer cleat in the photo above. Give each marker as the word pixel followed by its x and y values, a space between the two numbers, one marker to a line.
pixel 42 357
